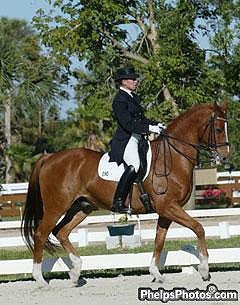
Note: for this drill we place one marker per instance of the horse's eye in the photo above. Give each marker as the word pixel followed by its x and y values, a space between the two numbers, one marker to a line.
pixel 219 130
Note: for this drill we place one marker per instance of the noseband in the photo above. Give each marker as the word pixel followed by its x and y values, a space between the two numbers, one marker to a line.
pixel 212 144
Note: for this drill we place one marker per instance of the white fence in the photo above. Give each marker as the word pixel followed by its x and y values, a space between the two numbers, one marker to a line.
pixel 14 188
pixel 134 260
pixel 153 216
pixel 228 175
pixel 83 237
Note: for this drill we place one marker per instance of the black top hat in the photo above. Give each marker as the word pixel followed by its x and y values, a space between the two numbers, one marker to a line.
pixel 126 73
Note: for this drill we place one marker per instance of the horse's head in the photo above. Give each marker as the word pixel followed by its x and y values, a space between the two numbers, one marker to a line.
pixel 214 134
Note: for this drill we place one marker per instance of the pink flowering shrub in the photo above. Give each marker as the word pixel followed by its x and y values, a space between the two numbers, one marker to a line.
pixel 214 194
pixel 214 197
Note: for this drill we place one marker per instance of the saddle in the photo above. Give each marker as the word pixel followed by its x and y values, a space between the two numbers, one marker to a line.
pixel 112 172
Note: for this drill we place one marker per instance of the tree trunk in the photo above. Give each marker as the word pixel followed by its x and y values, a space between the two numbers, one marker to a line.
pixel 40 121
pixel 168 97
pixel 100 128
pixel 8 137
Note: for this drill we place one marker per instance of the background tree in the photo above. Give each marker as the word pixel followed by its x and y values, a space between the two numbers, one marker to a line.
pixel 160 38
pixel 99 33
pixel 29 82
pixel 88 41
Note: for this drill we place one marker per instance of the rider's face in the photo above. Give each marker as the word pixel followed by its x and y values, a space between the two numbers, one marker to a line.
pixel 130 84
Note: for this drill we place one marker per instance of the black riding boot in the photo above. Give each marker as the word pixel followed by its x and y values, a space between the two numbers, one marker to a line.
pixel 123 188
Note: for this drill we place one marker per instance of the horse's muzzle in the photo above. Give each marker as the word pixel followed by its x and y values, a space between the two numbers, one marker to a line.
pixel 218 158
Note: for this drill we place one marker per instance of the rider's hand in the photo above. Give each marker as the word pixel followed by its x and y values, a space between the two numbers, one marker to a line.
pixel 162 125
pixel 155 129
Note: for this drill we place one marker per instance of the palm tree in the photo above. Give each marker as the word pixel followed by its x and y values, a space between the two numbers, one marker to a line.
pixel 28 80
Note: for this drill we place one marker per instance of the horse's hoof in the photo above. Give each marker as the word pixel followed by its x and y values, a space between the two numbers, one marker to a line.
pixel 158 279
pixel 74 276
pixel 207 278
pixel 42 284
pixel 204 272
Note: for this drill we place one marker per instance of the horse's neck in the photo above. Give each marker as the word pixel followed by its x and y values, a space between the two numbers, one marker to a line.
pixel 187 127
pixel 183 135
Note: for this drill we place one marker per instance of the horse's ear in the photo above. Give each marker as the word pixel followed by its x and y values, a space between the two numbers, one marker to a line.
pixel 225 105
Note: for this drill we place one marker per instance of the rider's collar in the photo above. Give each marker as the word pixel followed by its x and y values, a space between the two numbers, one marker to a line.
pixel 126 90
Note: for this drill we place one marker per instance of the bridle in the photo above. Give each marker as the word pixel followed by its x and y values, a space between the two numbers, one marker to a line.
pixel 211 146
pixel 212 143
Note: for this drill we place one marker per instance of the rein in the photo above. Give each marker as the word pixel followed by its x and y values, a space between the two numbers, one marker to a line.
pixel 211 146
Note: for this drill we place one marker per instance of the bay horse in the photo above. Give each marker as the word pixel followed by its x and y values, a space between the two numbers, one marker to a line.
pixel 67 183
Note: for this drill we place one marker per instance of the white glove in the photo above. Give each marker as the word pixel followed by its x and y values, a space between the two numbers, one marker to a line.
pixel 155 129
pixel 162 125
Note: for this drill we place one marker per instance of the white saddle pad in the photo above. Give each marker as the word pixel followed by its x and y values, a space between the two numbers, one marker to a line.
pixel 111 171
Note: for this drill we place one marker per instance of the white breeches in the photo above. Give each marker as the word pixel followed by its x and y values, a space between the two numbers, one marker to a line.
pixel 131 156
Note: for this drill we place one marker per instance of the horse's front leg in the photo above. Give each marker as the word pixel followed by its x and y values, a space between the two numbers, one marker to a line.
pixel 177 214
pixel 162 228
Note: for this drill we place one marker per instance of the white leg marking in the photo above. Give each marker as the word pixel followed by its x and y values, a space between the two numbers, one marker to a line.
pixel 37 274
pixel 203 268
pixel 75 272
pixel 154 271
pixel 226 135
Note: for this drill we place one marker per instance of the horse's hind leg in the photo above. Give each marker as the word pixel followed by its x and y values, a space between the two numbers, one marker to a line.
pixel 162 228
pixel 74 216
pixel 40 237
pixel 177 214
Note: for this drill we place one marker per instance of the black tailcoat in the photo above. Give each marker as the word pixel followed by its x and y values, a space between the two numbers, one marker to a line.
pixel 130 119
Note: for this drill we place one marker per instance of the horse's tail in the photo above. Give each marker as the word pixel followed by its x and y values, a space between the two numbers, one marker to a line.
pixel 33 211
